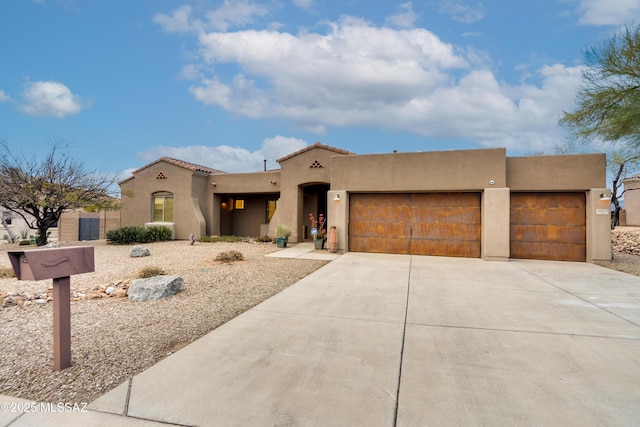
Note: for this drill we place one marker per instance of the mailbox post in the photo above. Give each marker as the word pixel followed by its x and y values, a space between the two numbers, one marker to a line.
pixel 58 264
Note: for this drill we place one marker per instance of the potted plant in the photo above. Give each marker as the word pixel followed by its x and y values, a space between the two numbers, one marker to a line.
pixel 318 231
pixel 282 236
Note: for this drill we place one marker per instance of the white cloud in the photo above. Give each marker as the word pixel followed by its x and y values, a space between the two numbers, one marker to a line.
pixel 460 12
pixel 51 99
pixel 357 74
pixel 405 18
pixel 178 21
pixel 608 12
pixel 4 97
pixel 232 13
pixel 303 4
pixel 230 159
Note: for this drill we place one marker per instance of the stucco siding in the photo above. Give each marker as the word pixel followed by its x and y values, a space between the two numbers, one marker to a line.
pixel 556 173
pixel 632 201
pixel 466 170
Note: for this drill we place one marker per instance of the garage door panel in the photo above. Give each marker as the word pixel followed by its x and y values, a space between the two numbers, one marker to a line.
pixel 448 231
pixel 380 245
pixel 549 226
pixel 379 229
pixel 547 234
pixel 446 247
pixel 548 216
pixel 445 224
pixel 542 251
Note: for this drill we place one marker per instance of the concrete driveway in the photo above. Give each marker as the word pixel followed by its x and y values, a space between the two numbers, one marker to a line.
pixel 386 340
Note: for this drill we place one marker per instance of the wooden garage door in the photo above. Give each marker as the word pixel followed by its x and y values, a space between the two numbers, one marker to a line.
pixel 444 224
pixel 549 226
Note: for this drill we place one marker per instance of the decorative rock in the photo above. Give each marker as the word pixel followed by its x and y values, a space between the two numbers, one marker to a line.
pixel 154 288
pixel 139 251
pixel 42 301
pixel 51 245
pixel 110 290
pixel 626 242
pixel 119 293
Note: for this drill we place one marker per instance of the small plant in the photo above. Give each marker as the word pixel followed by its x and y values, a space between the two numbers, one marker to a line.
pixel 6 272
pixel 24 242
pixel 264 239
pixel 227 239
pixel 151 271
pixel 282 231
pixel 229 256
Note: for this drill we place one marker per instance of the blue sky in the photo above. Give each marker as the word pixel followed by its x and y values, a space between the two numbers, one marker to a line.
pixel 228 83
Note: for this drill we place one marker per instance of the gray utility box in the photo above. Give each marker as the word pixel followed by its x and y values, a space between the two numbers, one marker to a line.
pixel 40 264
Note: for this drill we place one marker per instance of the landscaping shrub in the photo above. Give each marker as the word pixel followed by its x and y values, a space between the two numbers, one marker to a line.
pixel 137 234
pixel 6 272
pixel 229 256
pixel 264 239
pixel 228 239
pixel 158 234
pixel 151 271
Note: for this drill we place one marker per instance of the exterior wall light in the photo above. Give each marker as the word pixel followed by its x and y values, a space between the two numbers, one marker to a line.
pixel 336 198
pixel 604 197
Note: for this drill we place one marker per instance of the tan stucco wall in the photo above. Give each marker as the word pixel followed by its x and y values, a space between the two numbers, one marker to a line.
pixel 632 201
pixel 463 170
pixel 137 197
pixel 557 173
pixel 69 223
pixel 495 224
pixel 296 172
pixel 598 225
pixel 221 186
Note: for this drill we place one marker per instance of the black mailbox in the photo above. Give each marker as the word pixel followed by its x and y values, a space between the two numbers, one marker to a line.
pixel 57 264
pixel 40 264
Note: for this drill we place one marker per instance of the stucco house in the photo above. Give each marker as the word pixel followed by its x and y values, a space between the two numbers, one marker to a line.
pixel 632 200
pixel 469 203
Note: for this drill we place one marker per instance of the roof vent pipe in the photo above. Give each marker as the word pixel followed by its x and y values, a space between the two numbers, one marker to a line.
pixel 265 165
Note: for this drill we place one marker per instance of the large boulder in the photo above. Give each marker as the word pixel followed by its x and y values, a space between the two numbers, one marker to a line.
pixel 154 288
pixel 139 251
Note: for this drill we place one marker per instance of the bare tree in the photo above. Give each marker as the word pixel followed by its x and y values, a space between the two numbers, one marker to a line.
pixel 40 190
pixel 622 164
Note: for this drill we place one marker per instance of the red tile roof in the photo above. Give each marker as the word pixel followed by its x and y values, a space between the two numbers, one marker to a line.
pixel 311 147
pixel 183 164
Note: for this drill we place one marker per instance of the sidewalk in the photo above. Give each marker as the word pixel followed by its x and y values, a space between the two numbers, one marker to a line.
pixel 384 340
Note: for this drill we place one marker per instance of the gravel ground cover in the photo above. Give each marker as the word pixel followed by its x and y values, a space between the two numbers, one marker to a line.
pixel 113 338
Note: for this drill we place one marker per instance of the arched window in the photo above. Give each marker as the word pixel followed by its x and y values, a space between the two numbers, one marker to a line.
pixel 162 207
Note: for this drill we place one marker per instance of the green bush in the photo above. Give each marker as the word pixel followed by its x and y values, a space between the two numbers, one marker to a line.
pixel 264 239
pixel 137 234
pixel 158 233
pixel 24 242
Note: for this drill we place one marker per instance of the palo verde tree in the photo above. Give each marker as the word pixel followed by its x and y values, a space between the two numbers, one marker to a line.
pixel 40 190
pixel 608 106
pixel 608 103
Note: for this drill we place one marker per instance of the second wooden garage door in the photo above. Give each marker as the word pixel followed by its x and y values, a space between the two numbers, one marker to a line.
pixel 442 224
pixel 548 226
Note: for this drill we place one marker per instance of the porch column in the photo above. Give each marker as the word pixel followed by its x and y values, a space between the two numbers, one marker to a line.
pixel 338 215
pixel 496 213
